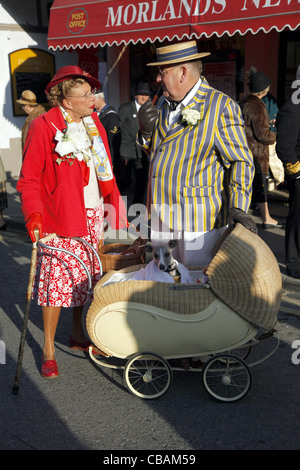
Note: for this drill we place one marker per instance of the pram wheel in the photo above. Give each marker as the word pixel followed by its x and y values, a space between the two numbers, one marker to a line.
pixel 148 375
pixel 226 378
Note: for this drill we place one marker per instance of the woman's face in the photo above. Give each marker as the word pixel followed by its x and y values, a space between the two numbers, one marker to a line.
pixel 80 102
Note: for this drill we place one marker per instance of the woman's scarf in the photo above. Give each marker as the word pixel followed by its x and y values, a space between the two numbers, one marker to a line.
pixel 72 144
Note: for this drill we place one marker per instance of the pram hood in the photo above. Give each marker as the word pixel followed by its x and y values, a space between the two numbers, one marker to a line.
pixel 245 275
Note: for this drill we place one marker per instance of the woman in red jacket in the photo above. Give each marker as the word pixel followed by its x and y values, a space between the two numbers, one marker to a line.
pixel 66 178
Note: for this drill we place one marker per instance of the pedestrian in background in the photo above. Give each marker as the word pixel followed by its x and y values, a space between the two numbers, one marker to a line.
pixel 259 137
pixel 111 122
pixel 288 150
pixel 275 164
pixel 30 106
pixel 135 158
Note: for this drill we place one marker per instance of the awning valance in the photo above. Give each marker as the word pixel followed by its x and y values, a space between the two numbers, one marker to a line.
pixel 79 23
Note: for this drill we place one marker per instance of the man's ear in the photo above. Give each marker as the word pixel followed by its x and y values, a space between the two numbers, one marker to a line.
pixel 183 71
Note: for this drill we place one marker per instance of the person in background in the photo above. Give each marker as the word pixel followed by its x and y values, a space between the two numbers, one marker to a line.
pixel 3 195
pixel 259 137
pixel 272 108
pixel 288 150
pixel 269 100
pixel 111 122
pixel 136 160
pixel 201 169
pixel 66 178
pixel 275 164
pixel 30 106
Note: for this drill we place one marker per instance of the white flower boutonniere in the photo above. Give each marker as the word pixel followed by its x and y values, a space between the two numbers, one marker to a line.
pixel 71 144
pixel 191 117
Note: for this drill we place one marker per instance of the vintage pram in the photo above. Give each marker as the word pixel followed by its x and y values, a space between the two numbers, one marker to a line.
pixel 144 326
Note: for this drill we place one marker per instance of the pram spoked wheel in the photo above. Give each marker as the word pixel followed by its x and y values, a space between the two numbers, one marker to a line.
pixel 226 378
pixel 148 375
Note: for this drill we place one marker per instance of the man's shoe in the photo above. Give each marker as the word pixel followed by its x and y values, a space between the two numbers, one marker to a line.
pixel 295 274
pixel 49 369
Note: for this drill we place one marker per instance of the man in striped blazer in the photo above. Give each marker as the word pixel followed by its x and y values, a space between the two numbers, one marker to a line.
pixel 201 169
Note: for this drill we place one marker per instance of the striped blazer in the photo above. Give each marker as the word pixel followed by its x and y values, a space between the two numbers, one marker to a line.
pixel 197 173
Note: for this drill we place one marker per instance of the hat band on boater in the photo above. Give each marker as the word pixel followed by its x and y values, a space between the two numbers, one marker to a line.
pixel 179 54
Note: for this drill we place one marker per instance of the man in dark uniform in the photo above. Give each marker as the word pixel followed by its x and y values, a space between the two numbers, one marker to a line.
pixel 110 120
pixel 135 158
pixel 288 150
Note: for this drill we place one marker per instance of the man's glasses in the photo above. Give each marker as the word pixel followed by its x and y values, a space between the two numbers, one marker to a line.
pixel 163 72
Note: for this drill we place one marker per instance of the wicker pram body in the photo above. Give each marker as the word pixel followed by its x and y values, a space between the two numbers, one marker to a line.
pixel 242 296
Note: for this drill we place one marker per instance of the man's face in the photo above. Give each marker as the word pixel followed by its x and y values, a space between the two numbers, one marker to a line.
pixel 99 102
pixel 141 99
pixel 27 108
pixel 169 78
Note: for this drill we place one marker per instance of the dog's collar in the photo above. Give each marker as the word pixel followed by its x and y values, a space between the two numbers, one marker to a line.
pixel 175 273
pixel 172 267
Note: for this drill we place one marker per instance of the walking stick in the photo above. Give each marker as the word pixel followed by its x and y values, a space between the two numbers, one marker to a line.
pixel 15 388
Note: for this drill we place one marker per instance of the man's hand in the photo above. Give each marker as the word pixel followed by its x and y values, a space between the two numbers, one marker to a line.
pixel 34 222
pixel 147 117
pixel 237 215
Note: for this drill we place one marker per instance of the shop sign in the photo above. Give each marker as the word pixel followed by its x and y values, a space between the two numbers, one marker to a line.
pixel 30 69
pixel 77 20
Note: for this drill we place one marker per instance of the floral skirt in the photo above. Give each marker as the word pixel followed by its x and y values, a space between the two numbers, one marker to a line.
pixel 61 280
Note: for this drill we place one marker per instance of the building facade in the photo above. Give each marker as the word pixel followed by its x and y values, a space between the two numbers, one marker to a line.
pixel 28 63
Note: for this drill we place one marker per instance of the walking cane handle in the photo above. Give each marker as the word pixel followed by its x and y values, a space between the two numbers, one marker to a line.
pixel 36 234
pixel 48 237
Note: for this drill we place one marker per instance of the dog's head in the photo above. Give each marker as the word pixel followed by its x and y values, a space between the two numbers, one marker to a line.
pixel 162 254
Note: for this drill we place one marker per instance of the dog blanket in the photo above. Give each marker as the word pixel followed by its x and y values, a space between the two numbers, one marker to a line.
pixel 152 273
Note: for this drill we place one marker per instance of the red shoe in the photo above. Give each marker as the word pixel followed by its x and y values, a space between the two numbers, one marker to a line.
pixel 84 347
pixel 49 369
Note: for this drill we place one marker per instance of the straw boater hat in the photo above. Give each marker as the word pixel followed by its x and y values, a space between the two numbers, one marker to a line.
pixel 72 71
pixel 175 53
pixel 27 97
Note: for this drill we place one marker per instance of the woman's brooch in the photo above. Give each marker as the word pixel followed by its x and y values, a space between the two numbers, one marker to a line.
pixel 71 144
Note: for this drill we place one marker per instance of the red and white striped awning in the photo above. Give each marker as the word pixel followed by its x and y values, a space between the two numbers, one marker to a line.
pixel 89 23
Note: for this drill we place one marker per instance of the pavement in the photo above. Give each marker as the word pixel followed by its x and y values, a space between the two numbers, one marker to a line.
pixel 274 238
pixel 89 407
